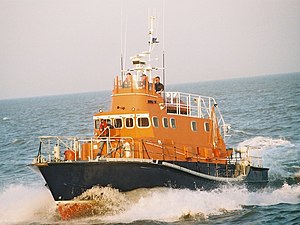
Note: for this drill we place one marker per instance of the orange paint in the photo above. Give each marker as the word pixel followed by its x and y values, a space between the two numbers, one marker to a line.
pixel 72 210
pixel 173 138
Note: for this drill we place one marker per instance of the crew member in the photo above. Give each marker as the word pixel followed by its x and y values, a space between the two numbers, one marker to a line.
pixel 104 132
pixel 144 81
pixel 128 80
pixel 159 87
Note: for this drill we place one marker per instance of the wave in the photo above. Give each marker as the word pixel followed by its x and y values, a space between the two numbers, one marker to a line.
pixel 109 201
pixel 235 131
pixel 18 141
pixel 278 154
pixel 265 142
pixel 170 205
pixel 24 205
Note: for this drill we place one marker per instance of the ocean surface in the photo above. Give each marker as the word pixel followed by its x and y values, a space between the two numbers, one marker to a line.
pixel 263 112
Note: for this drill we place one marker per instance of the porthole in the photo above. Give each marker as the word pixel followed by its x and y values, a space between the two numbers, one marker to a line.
pixel 194 126
pixel 172 123
pixel 206 127
pixel 155 121
pixel 165 122
pixel 118 123
pixel 129 122
pixel 143 122
pixel 109 123
pixel 97 123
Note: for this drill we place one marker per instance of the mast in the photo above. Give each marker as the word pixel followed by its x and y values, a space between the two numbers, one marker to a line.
pixel 152 39
pixel 163 46
pixel 121 57
pixel 123 48
pixel 142 61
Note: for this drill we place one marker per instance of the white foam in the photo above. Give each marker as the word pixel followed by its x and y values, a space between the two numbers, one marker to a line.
pixel 5 118
pixel 240 132
pixel 285 194
pixel 171 205
pixel 23 204
pixel 109 201
pixel 262 143
pixel 274 152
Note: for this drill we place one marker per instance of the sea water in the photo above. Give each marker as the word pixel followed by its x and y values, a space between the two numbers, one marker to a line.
pixel 263 112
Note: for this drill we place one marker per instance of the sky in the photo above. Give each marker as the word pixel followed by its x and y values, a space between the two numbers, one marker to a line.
pixel 52 47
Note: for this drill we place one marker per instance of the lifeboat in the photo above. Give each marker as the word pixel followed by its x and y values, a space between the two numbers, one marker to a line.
pixel 149 138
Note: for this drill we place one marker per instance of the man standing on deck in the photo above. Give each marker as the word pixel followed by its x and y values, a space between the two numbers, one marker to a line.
pixel 128 81
pixel 144 81
pixel 159 87
pixel 104 132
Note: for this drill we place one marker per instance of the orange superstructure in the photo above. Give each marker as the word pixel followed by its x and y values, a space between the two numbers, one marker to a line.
pixel 160 125
pixel 165 126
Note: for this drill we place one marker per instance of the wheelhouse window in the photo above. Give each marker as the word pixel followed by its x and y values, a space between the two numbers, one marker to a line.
pixel 165 122
pixel 194 126
pixel 143 122
pixel 109 122
pixel 97 123
pixel 173 123
pixel 155 121
pixel 206 127
pixel 118 123
pixel 129 122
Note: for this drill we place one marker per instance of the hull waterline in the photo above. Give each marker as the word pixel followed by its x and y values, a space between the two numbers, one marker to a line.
pixel 69 180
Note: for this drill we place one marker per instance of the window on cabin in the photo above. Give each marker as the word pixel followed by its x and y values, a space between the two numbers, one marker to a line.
pixel 129 122
pixel 143 122
pixel 155 121
pixel 109 122
pixel 118 123
pixel 194 126
pixel 97 123
pixel 206 127
pixel 165 122
pixel 173 123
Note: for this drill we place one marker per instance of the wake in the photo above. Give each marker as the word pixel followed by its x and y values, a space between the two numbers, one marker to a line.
pixel 278 154
pixel 23 204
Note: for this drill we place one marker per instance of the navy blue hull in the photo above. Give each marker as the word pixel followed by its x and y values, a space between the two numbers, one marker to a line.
pixel 68 180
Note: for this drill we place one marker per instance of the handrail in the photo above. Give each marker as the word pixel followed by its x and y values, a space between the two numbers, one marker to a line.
pixel 50 145
pixel 193 105
pixel 196 105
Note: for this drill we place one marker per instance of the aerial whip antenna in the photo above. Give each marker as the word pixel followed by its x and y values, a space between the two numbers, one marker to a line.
pixel 122 66
pixel 123 48
pixel 163 45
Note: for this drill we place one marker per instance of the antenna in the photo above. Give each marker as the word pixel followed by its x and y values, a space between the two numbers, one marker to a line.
pixel 125 45
pixel 122 66
pixel 163 26
pixel 123 49
pixel 152 39
pixel 163 44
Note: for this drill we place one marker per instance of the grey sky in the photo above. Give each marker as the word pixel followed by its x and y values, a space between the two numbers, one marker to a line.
pixel 50 47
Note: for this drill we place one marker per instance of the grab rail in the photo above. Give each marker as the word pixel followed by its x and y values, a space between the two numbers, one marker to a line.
pixel 189 104
pixel 125 147
pixel 50 147
pixel 193 105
